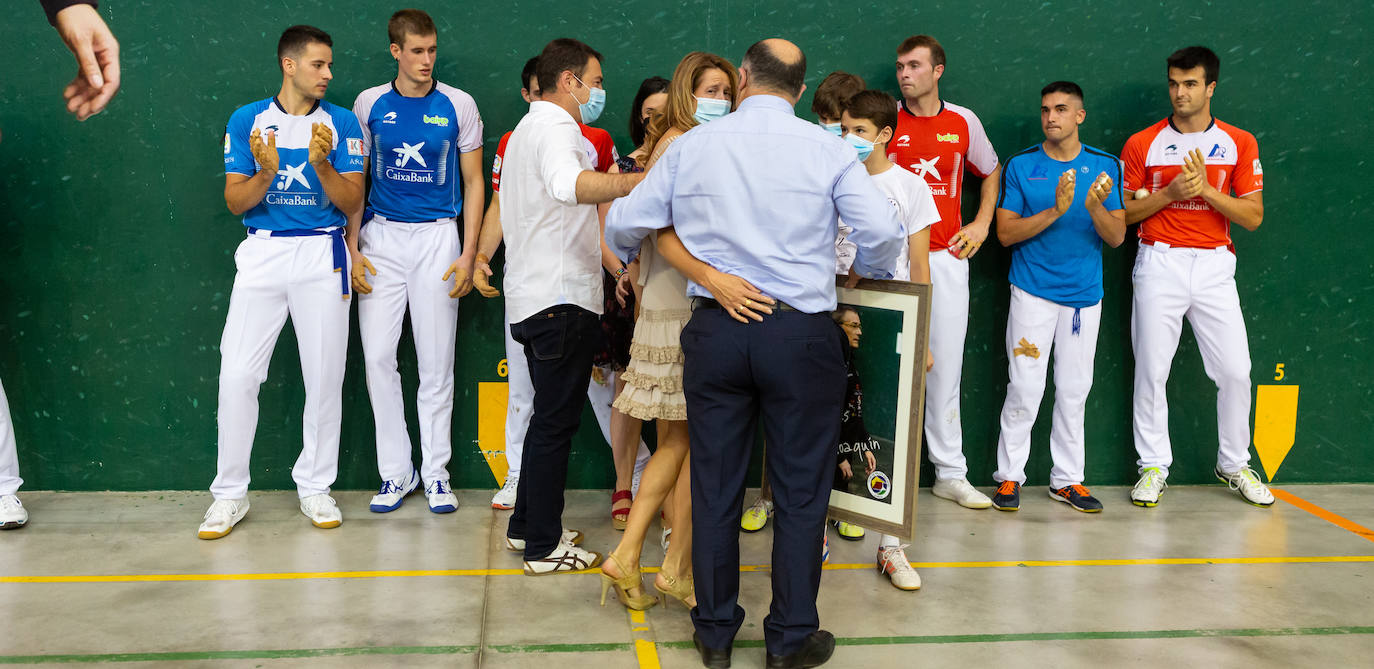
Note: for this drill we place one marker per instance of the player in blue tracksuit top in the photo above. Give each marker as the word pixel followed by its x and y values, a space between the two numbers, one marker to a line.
pixel 1059 203
pixel 424 143
pixel 293 166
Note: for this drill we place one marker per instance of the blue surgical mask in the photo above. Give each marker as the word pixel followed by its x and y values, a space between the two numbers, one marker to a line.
pixel 710 109
pixel 832 128
pixel 863 146
pixel 596 102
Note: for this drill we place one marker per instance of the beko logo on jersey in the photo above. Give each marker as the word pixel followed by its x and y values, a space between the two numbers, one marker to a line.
pixel 441 121
pixel 947 137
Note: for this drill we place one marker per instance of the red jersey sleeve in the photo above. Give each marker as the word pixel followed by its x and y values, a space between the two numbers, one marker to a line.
pixel 496 164
pixel 1133 165
pixel 1249 175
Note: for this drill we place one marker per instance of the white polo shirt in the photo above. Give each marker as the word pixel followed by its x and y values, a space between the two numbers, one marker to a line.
pixel 553 248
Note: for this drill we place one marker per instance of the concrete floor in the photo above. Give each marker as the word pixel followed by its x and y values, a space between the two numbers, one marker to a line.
pixel 280 593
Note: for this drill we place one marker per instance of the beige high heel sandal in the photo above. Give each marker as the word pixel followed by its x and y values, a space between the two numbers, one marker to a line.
pixel 677 588
pixel 623 585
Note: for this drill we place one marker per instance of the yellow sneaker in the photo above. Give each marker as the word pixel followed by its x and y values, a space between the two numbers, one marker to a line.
pixel 849 531
pixel 756 516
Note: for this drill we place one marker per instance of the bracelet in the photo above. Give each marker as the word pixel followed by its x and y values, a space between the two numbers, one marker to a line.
pixel 620 272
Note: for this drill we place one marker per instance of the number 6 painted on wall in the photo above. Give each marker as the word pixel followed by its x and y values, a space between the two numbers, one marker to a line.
pixel 503 370
pixel 1278 372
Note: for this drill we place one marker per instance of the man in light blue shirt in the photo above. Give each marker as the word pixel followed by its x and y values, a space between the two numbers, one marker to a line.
pixel 748 208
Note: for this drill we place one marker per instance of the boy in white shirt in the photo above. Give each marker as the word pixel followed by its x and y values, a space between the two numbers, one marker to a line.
pixel 868 123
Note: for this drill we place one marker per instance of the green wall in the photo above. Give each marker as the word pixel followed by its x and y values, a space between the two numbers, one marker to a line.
pixel 118 247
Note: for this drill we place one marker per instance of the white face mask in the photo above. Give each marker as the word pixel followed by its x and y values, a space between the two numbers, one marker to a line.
pixel 832 128
pixel 710 109
pixel 863 146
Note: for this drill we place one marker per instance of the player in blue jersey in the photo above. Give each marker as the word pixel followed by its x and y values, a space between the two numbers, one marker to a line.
pixel 423 139
pixel 293 165
pixel 1059 203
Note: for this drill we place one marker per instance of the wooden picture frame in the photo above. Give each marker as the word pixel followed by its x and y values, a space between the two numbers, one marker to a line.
pixel 898 420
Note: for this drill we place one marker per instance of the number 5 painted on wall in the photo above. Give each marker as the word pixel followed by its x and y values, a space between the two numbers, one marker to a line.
pixel 1278 372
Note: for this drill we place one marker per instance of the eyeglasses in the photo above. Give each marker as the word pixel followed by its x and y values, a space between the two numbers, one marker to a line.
pixel 851 326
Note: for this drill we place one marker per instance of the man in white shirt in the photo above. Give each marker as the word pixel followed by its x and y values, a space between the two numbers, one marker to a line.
pixel 548 195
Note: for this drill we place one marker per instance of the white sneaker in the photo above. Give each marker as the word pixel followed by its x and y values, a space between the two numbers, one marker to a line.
pixel 564 558
pixel 441 497
pixel 322 511
pixel 394 492
pixel 961 492
pixel 892 562
pixel 222 516
pixel 12 513
pixel 1149 488
pixel 569 537
pixel 504 499
pixel 1248 483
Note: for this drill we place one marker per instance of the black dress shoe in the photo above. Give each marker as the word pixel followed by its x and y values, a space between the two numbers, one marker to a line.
pixel 713 658
pixel 817 648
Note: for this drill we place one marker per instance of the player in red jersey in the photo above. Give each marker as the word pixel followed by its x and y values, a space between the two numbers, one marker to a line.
pixel 940 142
pixel 1191 175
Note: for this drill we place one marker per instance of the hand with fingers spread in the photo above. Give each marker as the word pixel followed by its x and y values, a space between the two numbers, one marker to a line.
pixel 481 273
pixel 461 271
pixel 358 273
pixel 97 60
pixel 321 143
pixel 739 297
pixel 1101 188
pixel 264 152
pixel 966 242
pixel 1063 193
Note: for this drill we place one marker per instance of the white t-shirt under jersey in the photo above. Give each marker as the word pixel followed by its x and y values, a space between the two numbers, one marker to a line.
pixel 916 210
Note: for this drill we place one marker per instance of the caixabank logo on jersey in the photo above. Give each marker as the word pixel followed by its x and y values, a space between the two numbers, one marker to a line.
pixel 288 177
pixel 409 165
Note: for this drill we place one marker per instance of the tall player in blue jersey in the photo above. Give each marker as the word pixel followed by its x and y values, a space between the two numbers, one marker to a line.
pixel 423 139
pixel 1060 202
pixel 293 165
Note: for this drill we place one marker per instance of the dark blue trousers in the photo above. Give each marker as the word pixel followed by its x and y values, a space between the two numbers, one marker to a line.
pixel 788 371
pixel 560 343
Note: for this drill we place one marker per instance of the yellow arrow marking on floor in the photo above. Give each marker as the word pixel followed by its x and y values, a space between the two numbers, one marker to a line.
pixel 492 398
pixel 1276 425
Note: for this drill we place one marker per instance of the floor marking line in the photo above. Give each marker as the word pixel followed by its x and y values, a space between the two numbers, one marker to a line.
pixel 188 656
pixel 1339 521
pixel 287 576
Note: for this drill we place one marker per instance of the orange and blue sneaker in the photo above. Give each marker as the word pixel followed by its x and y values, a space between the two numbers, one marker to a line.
pixel 1007 497
pixel 1077 497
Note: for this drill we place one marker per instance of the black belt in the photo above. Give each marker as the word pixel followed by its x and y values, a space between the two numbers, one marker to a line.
pixel 708 303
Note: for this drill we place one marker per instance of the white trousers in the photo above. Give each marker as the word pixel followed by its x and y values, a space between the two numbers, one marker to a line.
pixel 948 325
pixel 520 405
pixel 411 259
pixel 1035 326
pixel 279 277
pixel 9 451
pixel 1199 284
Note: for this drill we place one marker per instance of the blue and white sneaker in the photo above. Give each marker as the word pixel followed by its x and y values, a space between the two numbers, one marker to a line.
pixel 441 497
pixel 391 495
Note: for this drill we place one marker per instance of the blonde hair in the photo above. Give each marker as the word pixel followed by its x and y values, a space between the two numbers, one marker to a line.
pixel 682 102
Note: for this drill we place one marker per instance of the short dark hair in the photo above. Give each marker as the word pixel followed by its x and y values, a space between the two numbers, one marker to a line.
pixel 768 71
pixel 875 106
pixel 1190 57
pixel 832 96
pixel 563 54
pixel 296 38
pixel 1063 87
pixel 937 52
pixel 647 87
pixel 530 72
pixel 409 22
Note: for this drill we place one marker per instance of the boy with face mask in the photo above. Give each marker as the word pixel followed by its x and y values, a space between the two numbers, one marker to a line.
pixel 868 122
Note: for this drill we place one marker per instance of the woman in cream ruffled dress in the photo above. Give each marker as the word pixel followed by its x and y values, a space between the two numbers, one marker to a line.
pixel 703 87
